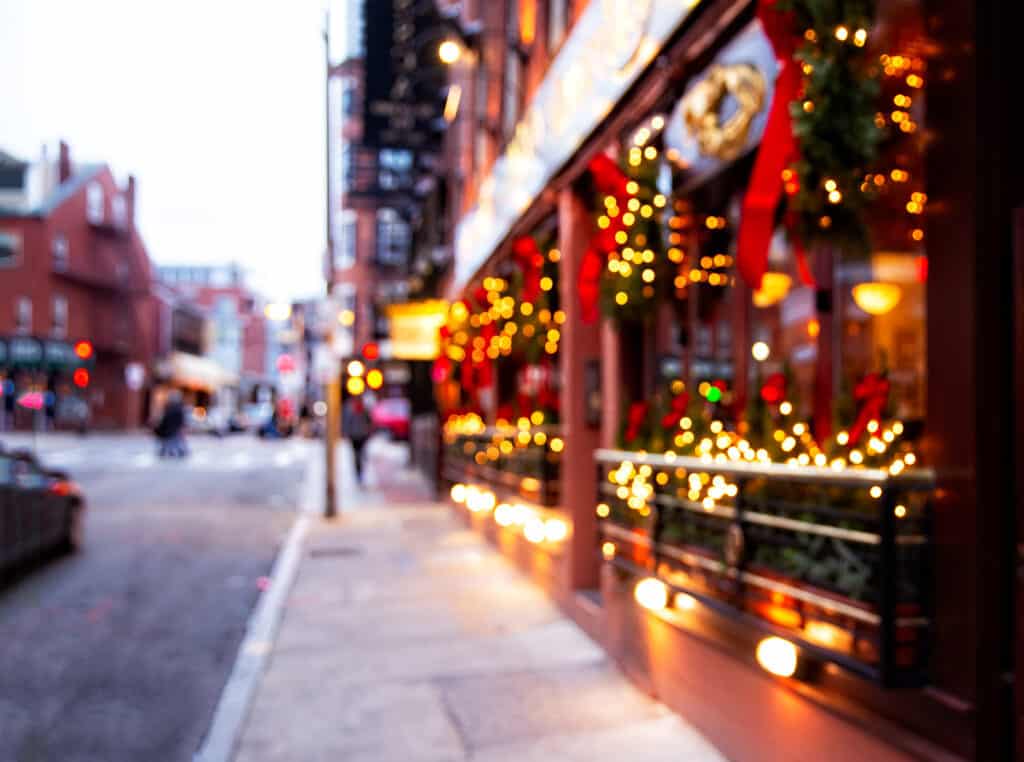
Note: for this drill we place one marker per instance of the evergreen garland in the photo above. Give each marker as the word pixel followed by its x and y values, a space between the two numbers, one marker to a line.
pixel 835 123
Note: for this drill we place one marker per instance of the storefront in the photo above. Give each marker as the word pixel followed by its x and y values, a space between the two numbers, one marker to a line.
pixel 59 371
pixel 724 365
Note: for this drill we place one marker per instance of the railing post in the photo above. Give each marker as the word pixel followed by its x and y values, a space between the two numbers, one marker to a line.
pixel 888 591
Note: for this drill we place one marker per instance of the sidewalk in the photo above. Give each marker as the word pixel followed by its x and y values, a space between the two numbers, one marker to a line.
pixel 406 637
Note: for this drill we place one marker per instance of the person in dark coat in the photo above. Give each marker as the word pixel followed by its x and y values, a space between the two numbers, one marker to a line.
pixel 171 428
pixel 356 426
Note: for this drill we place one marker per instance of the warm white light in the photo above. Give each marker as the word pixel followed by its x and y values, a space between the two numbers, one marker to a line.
pixel 458 493
pixel 534 530
pixel 651 594
pixel 760 351
pixel 449 51
pixel 356 368
pixel 555 530
pixel 608 550
pixel 277 311
pixel 777 656
pixel 774 288
pixel 684 602
pixel 877 298
pixel 504 514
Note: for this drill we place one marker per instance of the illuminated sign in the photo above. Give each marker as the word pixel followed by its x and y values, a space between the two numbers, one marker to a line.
pixel 414 329
pixel 608 48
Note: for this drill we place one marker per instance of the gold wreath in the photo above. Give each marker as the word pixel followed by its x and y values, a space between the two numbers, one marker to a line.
pixel 702 105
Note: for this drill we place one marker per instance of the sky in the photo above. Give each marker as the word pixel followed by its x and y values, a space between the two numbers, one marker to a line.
pixel 216 106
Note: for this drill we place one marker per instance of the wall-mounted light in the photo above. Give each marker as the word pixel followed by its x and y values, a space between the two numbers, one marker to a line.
pixel 877 298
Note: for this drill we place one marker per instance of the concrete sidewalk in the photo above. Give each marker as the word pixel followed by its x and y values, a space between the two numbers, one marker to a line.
pixel 406 637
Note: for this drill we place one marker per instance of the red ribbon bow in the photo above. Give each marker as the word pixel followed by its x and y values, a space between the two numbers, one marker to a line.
pixel 677 409
pixel 530 261
pixel 635 419
pixel 871 392
pixel 778 151
pixel 774 389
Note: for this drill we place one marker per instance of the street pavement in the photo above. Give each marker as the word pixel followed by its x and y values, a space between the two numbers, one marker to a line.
pixel 407 638
pixel 120 652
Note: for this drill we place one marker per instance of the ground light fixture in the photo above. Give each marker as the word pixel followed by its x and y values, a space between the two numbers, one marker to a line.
pixel 651 593
pixel 458 493
pixel 449 51
pixel 777 656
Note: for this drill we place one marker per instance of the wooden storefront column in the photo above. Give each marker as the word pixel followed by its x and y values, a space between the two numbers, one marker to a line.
pixel 973 181
pixel 579 345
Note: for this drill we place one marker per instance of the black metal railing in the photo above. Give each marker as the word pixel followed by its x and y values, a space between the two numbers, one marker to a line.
pixel 836 561
pixel 508 460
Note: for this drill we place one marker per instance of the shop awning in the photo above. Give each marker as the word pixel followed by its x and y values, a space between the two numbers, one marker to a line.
pixel 194 372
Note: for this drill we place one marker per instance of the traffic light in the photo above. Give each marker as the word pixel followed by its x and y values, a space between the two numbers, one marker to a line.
pixel 81 378
pixel 371 350
pixel 83 350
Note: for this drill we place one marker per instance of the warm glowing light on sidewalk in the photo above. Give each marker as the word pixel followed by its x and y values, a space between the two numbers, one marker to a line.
pixel 651 594
pixel 777 656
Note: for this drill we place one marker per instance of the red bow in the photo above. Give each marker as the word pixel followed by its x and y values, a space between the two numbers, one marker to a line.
pixel 778 151
pixel 677 409
pixel 635 419
pixel 871 393
pixel 608 180
pixel 774 389
pixel 530 261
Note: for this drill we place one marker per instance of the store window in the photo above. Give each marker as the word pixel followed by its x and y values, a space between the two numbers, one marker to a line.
pixel 345 255
pixel 558 17
pixel 59 328
pixel 10 249
pixel 511 95
pixel 94 203
pixel 60 250
pixel 23 314
pixel 393 238
pixel 395 169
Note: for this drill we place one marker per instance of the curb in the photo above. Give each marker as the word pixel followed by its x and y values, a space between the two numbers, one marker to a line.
pixel 254 652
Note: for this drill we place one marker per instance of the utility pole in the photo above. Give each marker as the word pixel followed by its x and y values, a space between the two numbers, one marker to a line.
pixel 334 379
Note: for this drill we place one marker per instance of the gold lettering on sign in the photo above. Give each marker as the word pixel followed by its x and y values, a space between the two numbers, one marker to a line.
pixel 702 109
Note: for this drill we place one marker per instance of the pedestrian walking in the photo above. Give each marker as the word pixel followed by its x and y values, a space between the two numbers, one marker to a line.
pixel 170 431
pixel 357 428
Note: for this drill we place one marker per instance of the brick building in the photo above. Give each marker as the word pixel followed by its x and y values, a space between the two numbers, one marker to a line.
pixel 73 267
pixel 384 133
pixel 618 150
pixel 236 341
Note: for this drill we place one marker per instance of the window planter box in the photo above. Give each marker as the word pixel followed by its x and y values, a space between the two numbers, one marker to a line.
pixel 508 463
pixel 837 562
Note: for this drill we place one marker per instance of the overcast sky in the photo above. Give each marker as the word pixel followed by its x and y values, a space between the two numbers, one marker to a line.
pixel 215 105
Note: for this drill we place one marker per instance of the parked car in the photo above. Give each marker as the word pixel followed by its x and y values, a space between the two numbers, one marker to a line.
pixel 392 415
pixel 41 511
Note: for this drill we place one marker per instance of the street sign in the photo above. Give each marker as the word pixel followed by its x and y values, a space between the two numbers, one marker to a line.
pixel 134 375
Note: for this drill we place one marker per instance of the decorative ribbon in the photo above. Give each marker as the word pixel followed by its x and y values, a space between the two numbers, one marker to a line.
pixel 677 409
pixel 871 394
pixel 774 389
pixel 777 152
pixel 634 420
pixel 608 180
pixel 530 261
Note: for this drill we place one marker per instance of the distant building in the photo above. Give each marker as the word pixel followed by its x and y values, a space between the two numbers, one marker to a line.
pixel 237 340
pixel 73 268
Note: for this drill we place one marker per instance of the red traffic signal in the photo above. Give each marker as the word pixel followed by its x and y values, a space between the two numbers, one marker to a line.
pixel 371 350
pixel 83 349
pixel 81 378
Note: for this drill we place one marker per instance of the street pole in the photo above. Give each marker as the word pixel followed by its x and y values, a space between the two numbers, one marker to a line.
pixel 334 379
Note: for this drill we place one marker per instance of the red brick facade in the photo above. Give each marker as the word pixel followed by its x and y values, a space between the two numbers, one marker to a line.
pixel 93 261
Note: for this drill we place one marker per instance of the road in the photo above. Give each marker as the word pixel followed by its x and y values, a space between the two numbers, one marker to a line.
pixel 120 652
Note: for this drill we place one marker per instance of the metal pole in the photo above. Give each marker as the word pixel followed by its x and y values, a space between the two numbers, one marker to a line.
pixel 334 384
